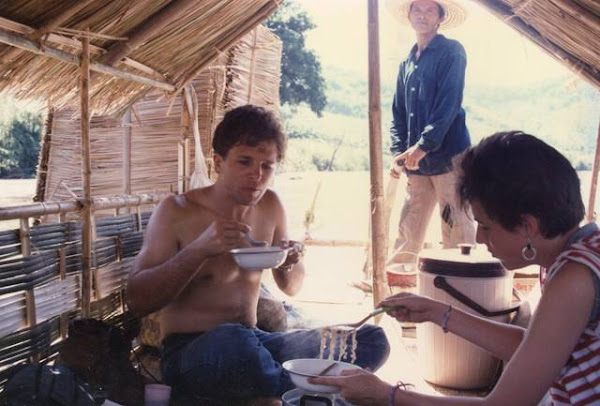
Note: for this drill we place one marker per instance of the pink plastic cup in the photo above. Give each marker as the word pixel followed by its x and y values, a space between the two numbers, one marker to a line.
pixel 156 394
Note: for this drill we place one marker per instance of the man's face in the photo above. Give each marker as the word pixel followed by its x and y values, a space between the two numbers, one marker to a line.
pixel 424 16
pixel 247 171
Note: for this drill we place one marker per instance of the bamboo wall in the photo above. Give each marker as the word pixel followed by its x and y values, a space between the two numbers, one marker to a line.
pixel 40 282
pixel 247 73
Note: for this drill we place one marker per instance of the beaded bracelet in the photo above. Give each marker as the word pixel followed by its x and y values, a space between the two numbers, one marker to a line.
pixel 445 319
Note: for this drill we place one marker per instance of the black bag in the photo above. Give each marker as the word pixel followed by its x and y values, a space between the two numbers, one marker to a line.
pixel 42 385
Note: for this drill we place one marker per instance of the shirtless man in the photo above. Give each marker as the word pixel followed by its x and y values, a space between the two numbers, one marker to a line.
pixel 211 347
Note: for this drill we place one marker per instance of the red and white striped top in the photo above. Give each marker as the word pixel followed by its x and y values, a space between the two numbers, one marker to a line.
pixel 579 380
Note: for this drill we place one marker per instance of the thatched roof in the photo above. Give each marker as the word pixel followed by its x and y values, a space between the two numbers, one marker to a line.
pixel 567 29
pixel 166 41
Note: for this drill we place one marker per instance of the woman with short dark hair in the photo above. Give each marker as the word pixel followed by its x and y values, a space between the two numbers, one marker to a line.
pixel 526 199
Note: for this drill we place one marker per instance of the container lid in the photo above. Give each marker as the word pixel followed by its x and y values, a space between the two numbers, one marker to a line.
pixel 475 263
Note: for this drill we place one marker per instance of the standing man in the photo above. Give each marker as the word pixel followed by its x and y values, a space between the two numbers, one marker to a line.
pixel 212 350
pixel 428 129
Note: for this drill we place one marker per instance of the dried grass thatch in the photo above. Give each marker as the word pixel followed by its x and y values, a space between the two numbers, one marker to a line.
pixel 247 73
pixel 177 50
pixel 567 29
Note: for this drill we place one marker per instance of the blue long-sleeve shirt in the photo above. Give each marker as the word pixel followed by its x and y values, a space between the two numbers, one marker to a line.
pixel 427 107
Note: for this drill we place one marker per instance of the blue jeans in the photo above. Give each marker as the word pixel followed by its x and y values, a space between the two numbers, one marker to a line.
pixel 236 362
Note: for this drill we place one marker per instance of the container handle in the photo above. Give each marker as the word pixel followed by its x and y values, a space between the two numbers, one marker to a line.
pixel 441 283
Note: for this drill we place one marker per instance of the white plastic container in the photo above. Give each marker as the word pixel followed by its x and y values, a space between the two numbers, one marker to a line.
pixel 446 359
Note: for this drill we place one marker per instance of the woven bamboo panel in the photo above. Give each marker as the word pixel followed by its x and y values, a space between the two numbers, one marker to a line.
pixel 247 73
pixel 57 297
pixel 13 313
pixel 112 277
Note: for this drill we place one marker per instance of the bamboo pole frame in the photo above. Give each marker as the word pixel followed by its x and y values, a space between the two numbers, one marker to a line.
pixel 49 25
pixel 594 185
pixel 76 205
pixel 86 173
pixel 126 165
pixel 378 236
pixel 62 40
pixel 21 42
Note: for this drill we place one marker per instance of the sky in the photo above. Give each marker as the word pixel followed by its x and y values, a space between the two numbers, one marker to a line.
pixel 496 53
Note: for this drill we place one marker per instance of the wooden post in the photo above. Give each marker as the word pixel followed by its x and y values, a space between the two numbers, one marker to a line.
pixel 24 235
pixel 126 167
pixel 183 148
pixel 42 172
pixel 127 152
pixel 86 171
pixel 378 237
pixel 594 185
pixel 30 312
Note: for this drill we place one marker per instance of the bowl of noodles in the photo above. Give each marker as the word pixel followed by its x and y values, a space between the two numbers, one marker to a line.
pixel 303 368
pixel 259 258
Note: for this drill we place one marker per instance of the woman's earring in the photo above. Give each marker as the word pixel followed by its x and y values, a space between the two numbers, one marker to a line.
pixel 528 253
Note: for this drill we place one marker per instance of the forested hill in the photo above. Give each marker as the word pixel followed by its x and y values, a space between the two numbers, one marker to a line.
pixel 562 112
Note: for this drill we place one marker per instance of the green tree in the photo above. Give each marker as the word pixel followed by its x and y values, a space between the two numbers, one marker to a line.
pixel 301 79
pixel 20 144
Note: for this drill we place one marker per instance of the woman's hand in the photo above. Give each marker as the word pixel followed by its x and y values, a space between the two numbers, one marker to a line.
pixel 413 308
pixel 359 387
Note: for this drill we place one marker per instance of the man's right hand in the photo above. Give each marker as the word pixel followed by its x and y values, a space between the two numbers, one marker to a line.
pixel 221 236
pixel 396 166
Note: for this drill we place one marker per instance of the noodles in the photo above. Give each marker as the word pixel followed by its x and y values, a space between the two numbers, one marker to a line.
pixel 336 338
pixel 323 343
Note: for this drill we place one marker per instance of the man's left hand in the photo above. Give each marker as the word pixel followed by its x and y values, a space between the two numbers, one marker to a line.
pixel 294 254
pixel 412 157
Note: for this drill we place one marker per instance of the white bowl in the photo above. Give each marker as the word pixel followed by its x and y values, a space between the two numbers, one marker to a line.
pixel 302 369
pixel 259 258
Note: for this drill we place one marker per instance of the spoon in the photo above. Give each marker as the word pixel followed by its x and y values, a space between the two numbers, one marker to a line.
pixel 253 242
pixel 327 369
pixel 354 326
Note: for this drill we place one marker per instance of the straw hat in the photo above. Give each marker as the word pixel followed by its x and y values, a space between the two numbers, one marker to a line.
pixel 455 12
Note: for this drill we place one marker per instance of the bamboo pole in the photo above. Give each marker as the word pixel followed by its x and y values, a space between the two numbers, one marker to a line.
pixel 39 209
pixel 75 205
pixel 72 43
pixel 62 268
pixel 147 29
pixel 183 146
pixel 378 237
pixel 126 166
pixel 42 172
pixel 86 172
pixel 591 215
pixel 55 53
pixel 24 234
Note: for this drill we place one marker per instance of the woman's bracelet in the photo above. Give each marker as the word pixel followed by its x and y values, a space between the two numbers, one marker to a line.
pixel 284 268
pixel 445 318
pixel 394 389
